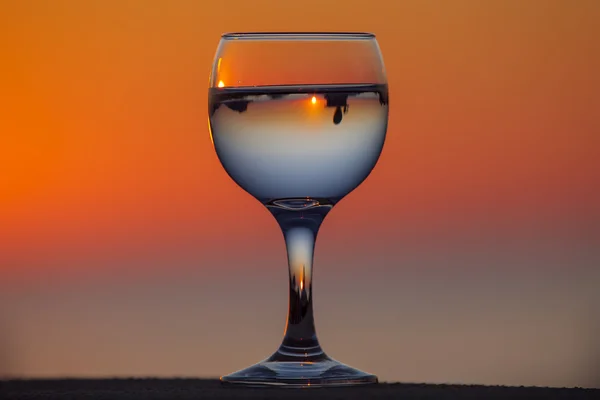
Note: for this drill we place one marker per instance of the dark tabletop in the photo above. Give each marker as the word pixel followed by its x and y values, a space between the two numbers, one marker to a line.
pixel 117 389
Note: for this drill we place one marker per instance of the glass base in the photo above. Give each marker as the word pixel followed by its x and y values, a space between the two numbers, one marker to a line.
pixel 292 374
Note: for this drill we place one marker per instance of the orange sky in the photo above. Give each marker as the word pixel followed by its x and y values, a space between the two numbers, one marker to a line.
pixel 104 139
pixel 106 162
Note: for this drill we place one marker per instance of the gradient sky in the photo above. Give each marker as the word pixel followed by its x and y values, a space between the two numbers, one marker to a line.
pixel 470 255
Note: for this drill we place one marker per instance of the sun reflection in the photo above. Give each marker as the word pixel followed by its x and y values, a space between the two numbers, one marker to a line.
pixel 221 84
pixel 314 100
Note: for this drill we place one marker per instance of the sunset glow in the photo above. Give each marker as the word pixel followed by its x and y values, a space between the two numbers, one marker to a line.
pixel 115 207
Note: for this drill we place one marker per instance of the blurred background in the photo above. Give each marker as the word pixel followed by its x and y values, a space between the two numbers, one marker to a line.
pixel 470 255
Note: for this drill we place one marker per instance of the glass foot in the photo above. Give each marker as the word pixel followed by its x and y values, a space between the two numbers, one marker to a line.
pixel 321 373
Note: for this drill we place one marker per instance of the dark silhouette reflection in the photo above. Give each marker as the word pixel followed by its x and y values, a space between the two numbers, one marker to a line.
pixel 340 102
pixel 336 97
pixel 235 105
pixel 383 97
pixel 213 106
pixel 238 105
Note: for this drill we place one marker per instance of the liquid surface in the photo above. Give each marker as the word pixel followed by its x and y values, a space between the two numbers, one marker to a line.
pixel 283 144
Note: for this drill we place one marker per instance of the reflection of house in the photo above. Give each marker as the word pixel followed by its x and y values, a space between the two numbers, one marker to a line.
pixel 339 101
pixel 238 105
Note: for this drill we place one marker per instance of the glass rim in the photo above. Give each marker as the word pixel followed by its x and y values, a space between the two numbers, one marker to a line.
pixel 298 36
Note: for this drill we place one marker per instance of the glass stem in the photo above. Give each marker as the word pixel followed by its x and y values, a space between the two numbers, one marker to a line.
pixel 300 230
pixel 300 329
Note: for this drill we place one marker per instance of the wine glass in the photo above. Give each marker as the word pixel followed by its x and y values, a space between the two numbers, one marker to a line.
pixel 298 120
